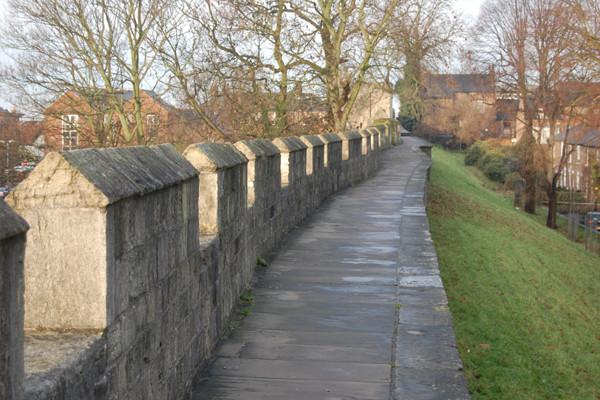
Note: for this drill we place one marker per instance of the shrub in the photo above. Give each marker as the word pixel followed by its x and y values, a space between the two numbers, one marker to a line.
pixel 576 199
pixel 495 160
pixel 495 169
pixel 475 153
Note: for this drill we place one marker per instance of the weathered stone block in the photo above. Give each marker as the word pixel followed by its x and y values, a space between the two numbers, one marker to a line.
pixel 217 164
pixel 12 251
pixel 69 197
pixel 314 153
pixel 293 158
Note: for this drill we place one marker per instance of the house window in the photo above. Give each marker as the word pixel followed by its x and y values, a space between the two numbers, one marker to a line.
pixel 545 135
pixel 571 154
pixel 507 130
pixel 70 139
pixel 152 121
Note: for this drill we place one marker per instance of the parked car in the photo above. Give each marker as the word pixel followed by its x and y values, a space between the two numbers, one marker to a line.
pixel 593 219
pixel 25 167
pixel 4 191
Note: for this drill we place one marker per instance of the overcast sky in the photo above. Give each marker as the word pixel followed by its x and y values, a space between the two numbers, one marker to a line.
pixel 469 7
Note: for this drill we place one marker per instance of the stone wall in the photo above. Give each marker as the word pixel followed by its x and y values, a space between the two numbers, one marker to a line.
pixel 12 251
pixel 389 131
pixel 264 195
pixel 150 249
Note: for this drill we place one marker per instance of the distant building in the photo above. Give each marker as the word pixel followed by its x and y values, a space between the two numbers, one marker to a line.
pixel 373 102
pixel 476 87
pixel 71 122
pixel 583 146
pixel 10 140
pixel 17 146
pixel 9 123
pixel 576 101
pixel 459 107
pixel 507 118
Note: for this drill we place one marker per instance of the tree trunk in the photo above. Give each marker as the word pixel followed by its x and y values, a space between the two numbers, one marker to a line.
pixel 530 172
pixel 552 202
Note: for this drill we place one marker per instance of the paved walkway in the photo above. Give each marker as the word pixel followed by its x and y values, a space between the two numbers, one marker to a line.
pixel 352 307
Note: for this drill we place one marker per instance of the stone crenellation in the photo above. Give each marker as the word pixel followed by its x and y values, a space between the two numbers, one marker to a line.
pixel 148 250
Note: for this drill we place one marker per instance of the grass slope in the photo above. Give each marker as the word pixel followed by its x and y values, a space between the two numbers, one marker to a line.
pixel 525 300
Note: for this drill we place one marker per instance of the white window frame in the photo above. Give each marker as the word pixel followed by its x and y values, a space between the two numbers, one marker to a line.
pixel 152 123
pixel 70 136
pixel 545 134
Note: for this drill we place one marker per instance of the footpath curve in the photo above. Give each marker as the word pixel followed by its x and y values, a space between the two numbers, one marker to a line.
pixel 352 307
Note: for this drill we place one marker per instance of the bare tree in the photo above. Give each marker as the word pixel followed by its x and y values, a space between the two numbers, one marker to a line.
pixel 271 63
pixel 345 36
pixel 95 48
pixel 532 43
pixel 184 57
pixel 422 35
pixel 586 23
pixel 504 28
pixel 555 64
pixel 255 39
pixel 234 63
pixel 462 117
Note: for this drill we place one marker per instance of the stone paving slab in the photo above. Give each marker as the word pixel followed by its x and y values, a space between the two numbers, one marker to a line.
pixel 295 298
pixel 219 388
pixel 347 288
pixel 372 340
pixel 352 307
pixel 268 350
pixel 359 306
pixel 321 323
pixel 436 384
pixel 334 371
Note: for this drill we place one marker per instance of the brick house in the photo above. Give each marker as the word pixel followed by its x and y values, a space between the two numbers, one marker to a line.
pixel 71 122
pixel 10 139
pixel 9 125
pixel 459 106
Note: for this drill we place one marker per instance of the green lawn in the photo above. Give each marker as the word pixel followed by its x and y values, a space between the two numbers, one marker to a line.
pixel 525 300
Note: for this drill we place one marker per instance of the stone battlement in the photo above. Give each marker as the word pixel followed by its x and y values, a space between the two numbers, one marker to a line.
pixel 141 253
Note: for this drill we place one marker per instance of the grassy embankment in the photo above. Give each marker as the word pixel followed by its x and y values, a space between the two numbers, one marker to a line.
pixel 525 300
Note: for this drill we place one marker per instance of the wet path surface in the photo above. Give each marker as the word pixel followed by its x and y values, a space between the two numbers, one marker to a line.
pixel 352 307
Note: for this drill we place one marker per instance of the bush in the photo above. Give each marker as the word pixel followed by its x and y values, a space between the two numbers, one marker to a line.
pixel 495 160
pixel 475 152
pixel 485 160
pixel 495 169
pixel 577 199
